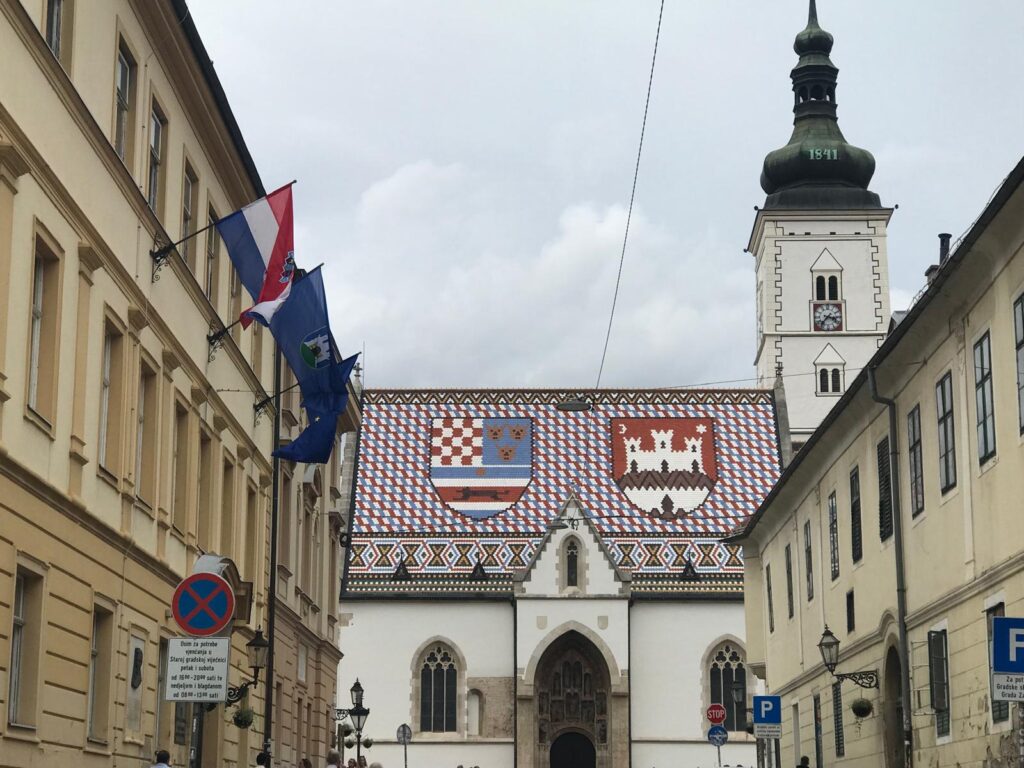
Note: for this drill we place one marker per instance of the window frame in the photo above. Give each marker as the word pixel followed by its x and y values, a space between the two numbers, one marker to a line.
pixel 45 288
pixel 999 711
pixel 771 604
pixel 839 734
pixel 833 534
pixel 189 210
pixel 109 449
pixel 729 659
pixel 97 727
pixel 210 281
pixel 157 157
pixel 58 29
pixel 938 680
pixel 915 461
pixel 856 529
pixel 946 439
pixel 808 561
pixel 426 700
pixel 123 139
pixel 984 398
pixel 789 579
pixel 851 612
pixel 885 495
pixel 1018 332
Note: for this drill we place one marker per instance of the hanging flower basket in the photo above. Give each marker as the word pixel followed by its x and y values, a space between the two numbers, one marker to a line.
pixel 242 718
pixel 349 743
pixel 862 707
pixel 367 743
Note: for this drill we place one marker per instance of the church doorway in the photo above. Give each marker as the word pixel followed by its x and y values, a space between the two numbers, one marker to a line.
pixel 573 750
pixel 895 754
pixel 573 705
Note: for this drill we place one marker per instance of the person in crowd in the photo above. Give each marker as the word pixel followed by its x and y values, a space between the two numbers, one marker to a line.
pixel 163 759
pixel 333 759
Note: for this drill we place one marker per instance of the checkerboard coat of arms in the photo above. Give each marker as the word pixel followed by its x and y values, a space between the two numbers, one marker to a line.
pixel 666 467
pixel 480 467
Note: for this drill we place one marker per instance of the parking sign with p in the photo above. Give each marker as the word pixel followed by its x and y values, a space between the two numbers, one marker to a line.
pixel 768 717
pixel 1007 658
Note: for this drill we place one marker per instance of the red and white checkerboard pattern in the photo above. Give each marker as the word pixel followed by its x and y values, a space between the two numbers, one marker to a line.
pixel 457 443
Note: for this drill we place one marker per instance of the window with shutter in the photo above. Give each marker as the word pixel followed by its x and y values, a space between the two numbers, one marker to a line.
pixel 884 491
pixel 837 718
pixel 808 560
pixel 833 535
pixel 916 461
pixel 1000 709
pixel 938 679
pixel 946 432
pixel 771 606
pixel 856 542
pixel 789 580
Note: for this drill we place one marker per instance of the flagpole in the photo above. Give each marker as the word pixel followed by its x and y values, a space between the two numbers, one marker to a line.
pixel 268 701
pixel 163 251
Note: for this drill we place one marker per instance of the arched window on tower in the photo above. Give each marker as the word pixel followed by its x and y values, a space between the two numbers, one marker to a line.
pixel 726 666
pixel 833 288
pixel 819 288
pixel 439 678
pixel 817 93
pixel 837 380
pixel 572 554
pixel 823 380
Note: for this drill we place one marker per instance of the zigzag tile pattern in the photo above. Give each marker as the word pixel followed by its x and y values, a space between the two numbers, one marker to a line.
pixel 398 515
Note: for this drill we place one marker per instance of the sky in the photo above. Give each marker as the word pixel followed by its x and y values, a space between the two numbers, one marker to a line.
pixel 464 167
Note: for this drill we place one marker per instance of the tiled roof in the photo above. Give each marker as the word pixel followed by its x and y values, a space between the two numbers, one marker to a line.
pixel 414 442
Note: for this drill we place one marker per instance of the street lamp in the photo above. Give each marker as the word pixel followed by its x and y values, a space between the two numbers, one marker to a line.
pixel 358 713
pixel 356 692
pixel 829 648
pixel 257 650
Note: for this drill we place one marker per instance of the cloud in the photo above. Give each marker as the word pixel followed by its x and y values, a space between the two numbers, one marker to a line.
pixel 442 295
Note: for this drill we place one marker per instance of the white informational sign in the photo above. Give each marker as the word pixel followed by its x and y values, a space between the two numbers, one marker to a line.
pixel 1007 687
pixel 197 669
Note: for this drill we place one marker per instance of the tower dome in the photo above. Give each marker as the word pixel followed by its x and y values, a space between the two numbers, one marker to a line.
pixel 818 168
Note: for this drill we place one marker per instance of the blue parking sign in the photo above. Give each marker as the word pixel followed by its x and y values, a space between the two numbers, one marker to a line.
pixel 1008 644
pixel 768 717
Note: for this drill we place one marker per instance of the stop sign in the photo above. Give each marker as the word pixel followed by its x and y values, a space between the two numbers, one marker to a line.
pixel 716 714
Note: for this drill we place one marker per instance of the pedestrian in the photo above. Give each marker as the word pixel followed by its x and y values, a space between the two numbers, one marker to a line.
pixel 805 762
pixel 333 759
pixel 304 763
pixel 163 759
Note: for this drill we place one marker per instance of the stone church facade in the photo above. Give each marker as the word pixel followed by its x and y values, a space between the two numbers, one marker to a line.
pixel 514 595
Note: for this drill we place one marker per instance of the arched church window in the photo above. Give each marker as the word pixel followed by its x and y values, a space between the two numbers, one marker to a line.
pixel 837 384
pixel 726 667
pixel 572 564
pixel 438 690
pixel 823 380
pixel 819 288
pixel 833 288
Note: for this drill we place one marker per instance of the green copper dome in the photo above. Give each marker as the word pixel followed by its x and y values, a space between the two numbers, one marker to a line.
pixel 818 168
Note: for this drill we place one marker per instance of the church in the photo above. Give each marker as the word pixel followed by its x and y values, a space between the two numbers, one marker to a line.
pixel 542 578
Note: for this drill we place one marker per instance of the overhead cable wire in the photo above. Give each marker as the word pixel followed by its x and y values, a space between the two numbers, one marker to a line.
pixel 632 197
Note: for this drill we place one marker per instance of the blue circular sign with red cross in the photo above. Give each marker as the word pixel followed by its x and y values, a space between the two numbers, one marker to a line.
pixel 203 604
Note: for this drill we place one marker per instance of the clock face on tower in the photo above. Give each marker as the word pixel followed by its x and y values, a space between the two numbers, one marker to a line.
pixel 828 316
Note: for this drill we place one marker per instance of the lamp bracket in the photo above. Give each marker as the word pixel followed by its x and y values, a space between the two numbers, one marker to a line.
pixel 865 679
pixel 238 692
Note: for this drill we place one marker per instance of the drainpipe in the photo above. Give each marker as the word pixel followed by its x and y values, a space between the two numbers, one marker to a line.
pixel 901 582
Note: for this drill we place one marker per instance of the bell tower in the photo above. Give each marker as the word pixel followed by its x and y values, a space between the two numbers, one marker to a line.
pixel 819 243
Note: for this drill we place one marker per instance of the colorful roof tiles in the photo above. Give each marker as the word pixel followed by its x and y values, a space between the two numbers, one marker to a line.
pixel 450 478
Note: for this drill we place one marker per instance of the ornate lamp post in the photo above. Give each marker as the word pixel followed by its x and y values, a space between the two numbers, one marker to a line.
pixel 257 650
pixel 829 648
pixel 358 713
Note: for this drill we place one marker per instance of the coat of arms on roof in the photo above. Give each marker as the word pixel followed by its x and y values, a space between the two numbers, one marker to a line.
pixel 480 467
pixel 666 467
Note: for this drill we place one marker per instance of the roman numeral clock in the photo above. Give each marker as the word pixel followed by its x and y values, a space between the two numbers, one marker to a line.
pixel 827 316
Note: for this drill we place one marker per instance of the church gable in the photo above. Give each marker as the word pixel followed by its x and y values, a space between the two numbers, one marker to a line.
pixel 456 483
pixel 571 560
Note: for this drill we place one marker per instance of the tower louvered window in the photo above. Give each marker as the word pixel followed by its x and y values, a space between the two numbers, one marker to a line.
pixel 884 491
pixel 438 691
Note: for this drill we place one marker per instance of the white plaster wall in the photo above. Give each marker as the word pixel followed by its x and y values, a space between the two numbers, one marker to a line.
pixel 539 619
pixel 381 642
pixel 668 682
pixel 806 407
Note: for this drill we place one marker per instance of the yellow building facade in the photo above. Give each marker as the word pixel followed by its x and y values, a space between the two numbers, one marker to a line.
pixel 921 498
pixel 126 449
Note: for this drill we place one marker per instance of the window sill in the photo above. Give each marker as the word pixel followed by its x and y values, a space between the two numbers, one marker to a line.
pixel 987 464
pixel 39 421
pixel 108 477
pixel 144 506
pixel 22 732
pixel 97 747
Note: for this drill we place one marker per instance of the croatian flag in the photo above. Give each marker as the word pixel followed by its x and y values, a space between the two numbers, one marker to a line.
pixel 260 242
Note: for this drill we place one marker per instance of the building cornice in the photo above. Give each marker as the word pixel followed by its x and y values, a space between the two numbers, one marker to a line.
pixel 795 214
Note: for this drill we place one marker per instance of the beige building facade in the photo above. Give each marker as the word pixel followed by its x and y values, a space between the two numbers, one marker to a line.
pixel 920 498
pixel 126 449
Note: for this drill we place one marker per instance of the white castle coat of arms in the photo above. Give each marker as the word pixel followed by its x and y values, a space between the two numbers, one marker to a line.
pixel 666 467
